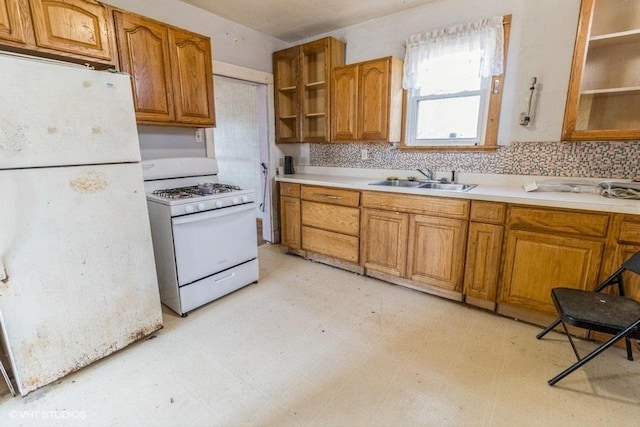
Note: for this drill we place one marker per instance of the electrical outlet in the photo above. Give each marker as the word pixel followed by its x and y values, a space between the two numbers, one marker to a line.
pixel 364 154
pixel 199 136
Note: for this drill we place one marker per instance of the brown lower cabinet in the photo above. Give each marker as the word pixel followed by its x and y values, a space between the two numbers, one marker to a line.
pixel 330 221
pixel 497 256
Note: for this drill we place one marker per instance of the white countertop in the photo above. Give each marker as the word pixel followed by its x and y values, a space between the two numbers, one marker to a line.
pixel 498 193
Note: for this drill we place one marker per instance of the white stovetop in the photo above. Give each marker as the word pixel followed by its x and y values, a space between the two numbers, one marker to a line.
pixel 499 188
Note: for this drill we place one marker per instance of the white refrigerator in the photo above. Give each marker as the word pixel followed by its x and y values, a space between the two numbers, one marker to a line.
pixel 77 272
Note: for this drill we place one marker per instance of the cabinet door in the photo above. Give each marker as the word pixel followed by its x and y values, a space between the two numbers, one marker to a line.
pixel 537 262
pixel 143 46
pixel 604 91
pixel 192 74
pixel 344 100
pixel 287 96
pixel 82 27
pixel 484 247
pixel 436 251
pixel 384 241
pixel 631 281
pixel 290 221
pixel 373 103
pixel 14 21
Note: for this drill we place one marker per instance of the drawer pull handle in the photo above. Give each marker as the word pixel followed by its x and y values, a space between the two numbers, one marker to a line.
pixel 327 196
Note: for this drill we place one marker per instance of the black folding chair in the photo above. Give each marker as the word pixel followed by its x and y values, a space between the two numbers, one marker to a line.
pixel 609 313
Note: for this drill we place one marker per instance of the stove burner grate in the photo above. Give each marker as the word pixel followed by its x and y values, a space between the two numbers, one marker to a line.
pixel 195 190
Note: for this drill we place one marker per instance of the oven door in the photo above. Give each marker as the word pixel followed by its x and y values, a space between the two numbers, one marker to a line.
pixel 209 242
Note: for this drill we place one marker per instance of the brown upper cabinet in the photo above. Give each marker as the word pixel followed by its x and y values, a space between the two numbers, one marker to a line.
pixel 171 71
pixel 367 101
pixel 302 77
pixel 74 30
pixel 604 91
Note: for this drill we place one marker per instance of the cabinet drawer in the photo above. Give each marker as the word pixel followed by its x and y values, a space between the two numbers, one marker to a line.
pixel 435 206
pixel 558 221
pixel 329 243
pixel 341 219
pixel 334 196
pixel 289 189
pixel 630 232
pixel 489 212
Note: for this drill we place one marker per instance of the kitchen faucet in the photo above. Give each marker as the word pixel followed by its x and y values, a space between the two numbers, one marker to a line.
pixel 426 172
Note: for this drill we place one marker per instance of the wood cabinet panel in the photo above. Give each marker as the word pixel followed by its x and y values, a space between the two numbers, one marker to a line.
pixel 384 241
pixel 535 263
pixel 192 74
pixel 558 221
pixel 340 219
pixel 368 101
pixel 289 189
pixel 344 115
pixel 436 251
pixel 290 231
pixel 171 72
pixel 373 106
pixel 489 212
pixel 482 267
pixel 82 27
pixel 330 243
pixel 15 23
pixel 436 206
pixel 630 232
pixel 143 47
pixel 333 196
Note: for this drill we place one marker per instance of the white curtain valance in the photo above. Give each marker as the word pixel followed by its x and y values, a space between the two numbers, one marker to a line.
pixel 486 35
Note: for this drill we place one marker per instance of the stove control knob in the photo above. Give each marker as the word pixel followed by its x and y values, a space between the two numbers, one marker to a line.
pixel 236 200
pixel 245 199
pixel 202 206
pixel 219 204
pixel 189 209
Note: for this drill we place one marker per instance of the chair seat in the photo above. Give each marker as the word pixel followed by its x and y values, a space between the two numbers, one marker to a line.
pixel 597 311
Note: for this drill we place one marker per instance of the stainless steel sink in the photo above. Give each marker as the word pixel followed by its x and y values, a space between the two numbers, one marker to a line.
pixel 431 185
pixel 398 183
pixel 447 186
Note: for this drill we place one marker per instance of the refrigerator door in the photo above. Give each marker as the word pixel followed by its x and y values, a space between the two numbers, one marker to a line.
pixel 58 114
pixel 77 273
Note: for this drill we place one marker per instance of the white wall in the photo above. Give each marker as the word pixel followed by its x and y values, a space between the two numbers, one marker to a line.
pixel 541 45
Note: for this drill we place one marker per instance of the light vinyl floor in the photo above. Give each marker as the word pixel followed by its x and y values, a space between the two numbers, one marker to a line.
pixel 311 345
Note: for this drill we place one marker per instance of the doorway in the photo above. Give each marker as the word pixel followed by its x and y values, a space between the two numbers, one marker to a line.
pixel 242 138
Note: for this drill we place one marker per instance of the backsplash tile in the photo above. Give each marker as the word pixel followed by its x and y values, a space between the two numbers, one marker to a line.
pixel 615 160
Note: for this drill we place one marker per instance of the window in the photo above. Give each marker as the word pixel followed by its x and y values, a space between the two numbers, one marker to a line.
pixel 454 81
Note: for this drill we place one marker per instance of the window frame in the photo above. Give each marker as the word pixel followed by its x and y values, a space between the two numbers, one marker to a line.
pixel 490 117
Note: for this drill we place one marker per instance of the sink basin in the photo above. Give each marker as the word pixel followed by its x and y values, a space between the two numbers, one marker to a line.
pixel 398 183
pixel 431 185
pixel 447 186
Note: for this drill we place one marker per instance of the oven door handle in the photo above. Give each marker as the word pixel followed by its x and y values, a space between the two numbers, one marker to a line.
pixel 216 213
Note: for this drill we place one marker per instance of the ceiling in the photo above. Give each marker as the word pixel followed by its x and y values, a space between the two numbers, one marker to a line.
pixel 293 20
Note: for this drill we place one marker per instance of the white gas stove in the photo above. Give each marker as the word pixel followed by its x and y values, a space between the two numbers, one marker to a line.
pixel 204 232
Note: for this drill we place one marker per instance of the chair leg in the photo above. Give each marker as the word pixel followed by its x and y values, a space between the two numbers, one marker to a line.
pixel 629 351
pixel 594 353
pixel 548 328
pixel 573 345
